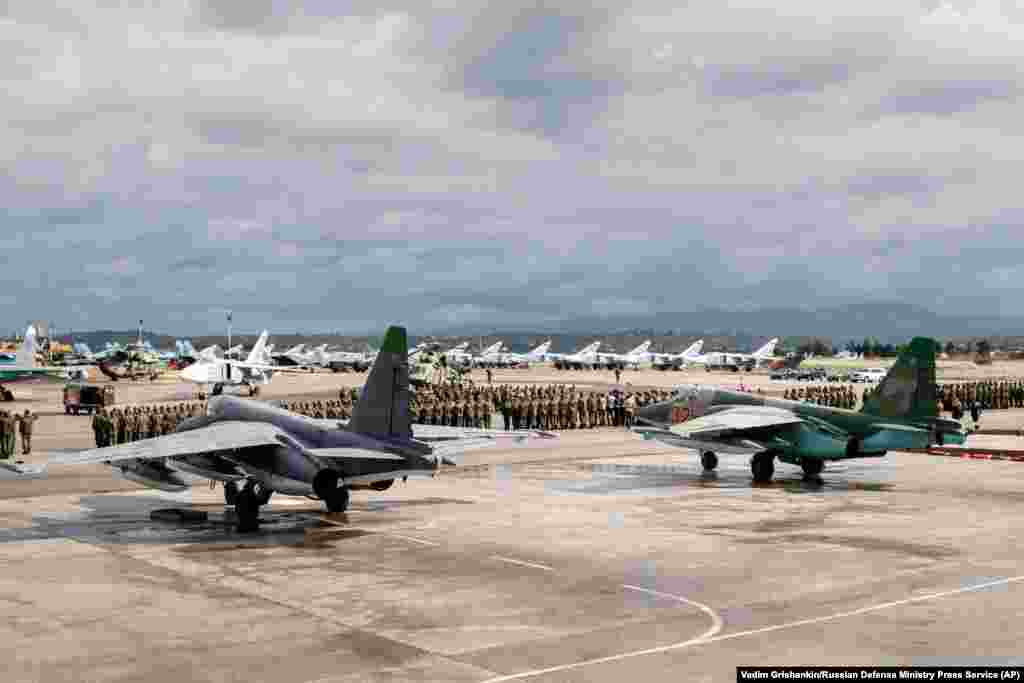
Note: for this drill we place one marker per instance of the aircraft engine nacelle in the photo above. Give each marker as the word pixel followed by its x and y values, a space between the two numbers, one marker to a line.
pixel 896 440
pixel 810 441
pixel 153 475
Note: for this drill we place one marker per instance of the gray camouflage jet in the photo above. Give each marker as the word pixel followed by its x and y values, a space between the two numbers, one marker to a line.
pixel 256 448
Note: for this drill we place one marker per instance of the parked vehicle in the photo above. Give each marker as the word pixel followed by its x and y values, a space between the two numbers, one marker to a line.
pixel 88 398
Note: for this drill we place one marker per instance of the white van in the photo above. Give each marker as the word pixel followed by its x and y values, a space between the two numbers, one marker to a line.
pixel 869 375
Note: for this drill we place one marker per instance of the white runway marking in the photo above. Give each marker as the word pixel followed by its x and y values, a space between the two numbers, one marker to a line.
pixel 523 563
pixel 767 629
pixel 716 621
pixel 414 540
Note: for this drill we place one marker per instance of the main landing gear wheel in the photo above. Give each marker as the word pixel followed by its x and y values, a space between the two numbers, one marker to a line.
pixel 230 493
pixel 762 466
pixel 812 467
pixel 325 485
pixel 247 508
pixel 709 461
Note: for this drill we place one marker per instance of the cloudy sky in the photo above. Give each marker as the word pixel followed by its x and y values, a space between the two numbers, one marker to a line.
pixel 341 165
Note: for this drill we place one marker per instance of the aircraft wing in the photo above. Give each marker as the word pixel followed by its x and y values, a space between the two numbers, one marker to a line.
pixel 431 433
pixel 733 422
pixel 220 436
pixel 435 433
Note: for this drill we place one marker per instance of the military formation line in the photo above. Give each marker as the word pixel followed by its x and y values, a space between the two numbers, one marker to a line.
pixel 843 396
pixel 132 423
pixel 989 395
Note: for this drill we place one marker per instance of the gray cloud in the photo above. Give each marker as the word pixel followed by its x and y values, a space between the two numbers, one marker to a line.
pixel 338 166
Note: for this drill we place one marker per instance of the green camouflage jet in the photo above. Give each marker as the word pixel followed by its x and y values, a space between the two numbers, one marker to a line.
pixel 902 413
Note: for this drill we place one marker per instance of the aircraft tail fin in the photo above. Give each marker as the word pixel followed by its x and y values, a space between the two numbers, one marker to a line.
pixel 26 354
pixel 493 348
pixel 694 349
pixel 383 405
pixel 766 350
pixel 640 349
pixel 541 350
pixel 256 355
pixel 908 390
pixel 591 348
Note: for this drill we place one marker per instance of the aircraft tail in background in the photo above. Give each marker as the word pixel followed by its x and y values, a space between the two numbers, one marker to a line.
pixel 908 390
pixel 383 407
pixel 767 350
pixel 258 350
pixel 26 354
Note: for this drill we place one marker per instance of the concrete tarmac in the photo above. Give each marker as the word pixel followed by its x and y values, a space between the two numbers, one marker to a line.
pixel 598 557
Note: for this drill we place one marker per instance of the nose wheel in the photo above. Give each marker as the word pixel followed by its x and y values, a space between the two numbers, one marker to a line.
pixel 762 466
pixel 709 461
pixel 247 503
pixel 326 487
pixel 812 467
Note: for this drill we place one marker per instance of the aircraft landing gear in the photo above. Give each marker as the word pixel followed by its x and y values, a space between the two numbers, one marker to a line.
pixel 230 493
pixel 762 466
pixel 325 485
pixel 247 506
pixel 709 461
pixel 812 467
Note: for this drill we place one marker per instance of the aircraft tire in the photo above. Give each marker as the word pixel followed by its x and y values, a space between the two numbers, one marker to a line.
pixel 337 501
pixel 263 494
pixel 230 493
pixel 247 509
pixel 812 467
pixel 762 466
pixel 709 461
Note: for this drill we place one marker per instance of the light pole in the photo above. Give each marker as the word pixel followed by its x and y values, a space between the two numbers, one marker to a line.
pixel 229 331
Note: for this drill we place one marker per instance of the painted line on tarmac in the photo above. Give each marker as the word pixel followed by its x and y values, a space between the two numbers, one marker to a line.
pixel 523 563
pixel 412 539
pixel 716 620
pixel 758 631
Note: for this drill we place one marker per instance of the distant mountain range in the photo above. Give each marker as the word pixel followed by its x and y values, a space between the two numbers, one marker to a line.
pixel 891 323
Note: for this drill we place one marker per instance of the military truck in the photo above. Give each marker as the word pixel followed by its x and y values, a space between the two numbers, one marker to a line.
pixel 80 397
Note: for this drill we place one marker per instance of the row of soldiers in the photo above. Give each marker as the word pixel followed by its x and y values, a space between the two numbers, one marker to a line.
pixel 833 396
pixel 340 409
pixel 12 424
pixel 552 407
pixel 989 394
pixel 131 423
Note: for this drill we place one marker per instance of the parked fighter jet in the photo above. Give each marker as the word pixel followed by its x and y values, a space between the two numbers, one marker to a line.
pixel 25 365
pixel 507 359
pixel 901 414
pixel 735 361
pixel 584 358
pixel 267 448
pixel 218 372
pixel 631 358
pixel 677 361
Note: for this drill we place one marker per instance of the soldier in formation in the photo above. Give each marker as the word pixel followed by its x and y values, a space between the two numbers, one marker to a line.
pixel 26 424
pixel 547 407
pixel 125 424
pixel 987 395
pixel 8 431
pixel 831 395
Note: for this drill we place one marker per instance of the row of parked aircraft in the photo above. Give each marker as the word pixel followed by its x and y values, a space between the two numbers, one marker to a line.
pixel 216 368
